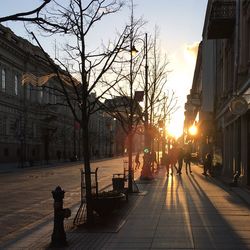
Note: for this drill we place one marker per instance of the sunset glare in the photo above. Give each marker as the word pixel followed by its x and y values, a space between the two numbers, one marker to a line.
pixel 175 129
pixel 193 130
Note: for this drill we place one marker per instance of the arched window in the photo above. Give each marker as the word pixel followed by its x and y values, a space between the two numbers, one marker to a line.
pixel 16 85
pixel 28 90
pixel 40 98
pixel 3 80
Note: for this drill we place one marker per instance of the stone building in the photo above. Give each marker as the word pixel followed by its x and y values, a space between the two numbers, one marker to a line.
pixel 224 85
pixel 33 128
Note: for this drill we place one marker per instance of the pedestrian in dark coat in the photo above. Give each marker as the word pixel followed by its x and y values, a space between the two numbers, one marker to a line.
pixel 137 160
pixel 180 159
pixel 187 159
pixel 207 164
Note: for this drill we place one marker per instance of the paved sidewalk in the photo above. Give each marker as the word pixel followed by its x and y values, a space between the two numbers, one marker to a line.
pixel 176 212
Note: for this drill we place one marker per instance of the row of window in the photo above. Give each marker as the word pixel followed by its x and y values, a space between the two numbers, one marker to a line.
pixel 40 94
pixel 3 82
pixel 18 152
pixel 15 127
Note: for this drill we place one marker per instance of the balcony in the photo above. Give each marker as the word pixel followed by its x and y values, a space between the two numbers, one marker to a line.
pixel 222 20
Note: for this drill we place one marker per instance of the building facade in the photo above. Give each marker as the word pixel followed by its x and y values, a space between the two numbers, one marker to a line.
pixel 225 71
pixel 34 129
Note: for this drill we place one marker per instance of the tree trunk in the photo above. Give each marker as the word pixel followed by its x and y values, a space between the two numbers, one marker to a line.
pixel 130 162
pixel 87 168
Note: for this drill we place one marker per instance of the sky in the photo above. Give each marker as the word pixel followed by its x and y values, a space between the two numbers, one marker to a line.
pixel 180 23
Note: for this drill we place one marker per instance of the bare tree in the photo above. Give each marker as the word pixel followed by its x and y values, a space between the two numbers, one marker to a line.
pixel 124 105
pixel 88 67
pixel 159 96
pixel 32 15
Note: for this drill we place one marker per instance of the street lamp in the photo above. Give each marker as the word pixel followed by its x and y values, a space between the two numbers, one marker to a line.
pixel 133 51
pixel 146 171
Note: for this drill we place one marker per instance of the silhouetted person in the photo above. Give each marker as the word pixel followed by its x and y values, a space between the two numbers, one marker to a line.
pixel 153 159
pixel 187 159
pixel 166 161
pixel 173 157
pixel 180 159
pixel 207 164
pixel 137 160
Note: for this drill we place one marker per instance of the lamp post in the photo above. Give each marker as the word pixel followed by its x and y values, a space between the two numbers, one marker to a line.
pixel 131 116
pixel 146 171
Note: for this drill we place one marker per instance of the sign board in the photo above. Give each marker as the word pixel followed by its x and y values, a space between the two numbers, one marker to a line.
pixel 238 106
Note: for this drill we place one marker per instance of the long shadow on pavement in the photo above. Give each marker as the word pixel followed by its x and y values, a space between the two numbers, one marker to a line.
pixel 210 227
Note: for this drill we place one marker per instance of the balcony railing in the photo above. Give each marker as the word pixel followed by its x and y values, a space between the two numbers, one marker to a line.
pixel 222 20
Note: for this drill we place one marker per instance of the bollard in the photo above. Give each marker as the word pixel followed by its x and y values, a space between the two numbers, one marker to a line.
pixel 58 237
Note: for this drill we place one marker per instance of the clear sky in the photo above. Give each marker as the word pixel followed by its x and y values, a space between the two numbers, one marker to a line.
pixel 180 23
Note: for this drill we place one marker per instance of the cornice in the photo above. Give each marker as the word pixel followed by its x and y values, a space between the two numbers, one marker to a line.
pixel 15 50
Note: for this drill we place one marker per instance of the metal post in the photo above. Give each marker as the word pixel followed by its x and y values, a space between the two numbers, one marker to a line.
pixel 146 169
pixel 164 130
pixel 146 92
pixel 130 120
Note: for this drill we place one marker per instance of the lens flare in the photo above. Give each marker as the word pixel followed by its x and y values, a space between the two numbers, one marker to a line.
pixel 193 130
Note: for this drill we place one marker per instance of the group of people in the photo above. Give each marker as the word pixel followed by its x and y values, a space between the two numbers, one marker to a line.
pixel 174 159
pixel 178 155
pixel 151 160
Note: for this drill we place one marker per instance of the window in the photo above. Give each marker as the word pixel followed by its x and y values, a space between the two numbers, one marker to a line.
pixel 6 152
pixel 46 96
pixel 33 130
pixel 2 126
pixel 54 93
pixel 28 89
pixel 33 152
pixel 40 95
pixel 3 80
pixel 16 85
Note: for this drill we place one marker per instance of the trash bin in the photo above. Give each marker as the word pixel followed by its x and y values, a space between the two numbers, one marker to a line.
pixel 118 183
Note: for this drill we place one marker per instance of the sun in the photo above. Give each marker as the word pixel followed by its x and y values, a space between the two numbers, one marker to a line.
pixel 193 130
pixel 175 129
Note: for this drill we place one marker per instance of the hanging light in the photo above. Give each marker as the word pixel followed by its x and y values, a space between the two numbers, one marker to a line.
pixel 134 51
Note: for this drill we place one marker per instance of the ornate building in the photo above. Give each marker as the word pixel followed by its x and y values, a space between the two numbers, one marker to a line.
pixel 33 128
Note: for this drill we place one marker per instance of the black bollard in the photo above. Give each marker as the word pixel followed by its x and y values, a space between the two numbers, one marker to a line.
pixel 58 238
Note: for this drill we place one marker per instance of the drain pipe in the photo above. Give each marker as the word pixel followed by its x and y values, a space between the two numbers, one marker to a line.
pixel 235 83
pixel 237 47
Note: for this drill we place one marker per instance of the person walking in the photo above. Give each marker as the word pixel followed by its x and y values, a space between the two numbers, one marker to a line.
pixel 166 163
pixel 207 164
pixel 154 161
pixel 137 160
pixel 173 157
pixel 187 159
pixel 180 159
